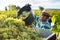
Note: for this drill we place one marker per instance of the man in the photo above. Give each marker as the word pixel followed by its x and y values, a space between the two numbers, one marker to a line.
pixel 26 15
pixel 43 22
pixel 43 25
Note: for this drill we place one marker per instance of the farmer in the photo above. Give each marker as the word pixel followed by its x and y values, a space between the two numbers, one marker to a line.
pixel 43 22
pixel 26 15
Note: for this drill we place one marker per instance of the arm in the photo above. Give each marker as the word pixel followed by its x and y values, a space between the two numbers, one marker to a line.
pixel 48 25
pixel 35 16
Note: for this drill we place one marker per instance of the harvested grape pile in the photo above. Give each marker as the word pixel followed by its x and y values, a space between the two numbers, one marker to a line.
pixel 12 28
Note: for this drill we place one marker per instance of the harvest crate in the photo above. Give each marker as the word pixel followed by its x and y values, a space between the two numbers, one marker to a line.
pixel 46 33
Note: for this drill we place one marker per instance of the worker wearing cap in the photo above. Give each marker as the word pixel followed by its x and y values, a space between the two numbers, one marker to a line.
pixel 43 21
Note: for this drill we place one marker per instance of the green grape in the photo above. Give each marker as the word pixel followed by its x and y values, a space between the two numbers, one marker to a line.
pixel 5 35
pixel 24 34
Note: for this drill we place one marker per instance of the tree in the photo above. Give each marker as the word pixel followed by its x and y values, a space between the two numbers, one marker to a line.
pixel 12 7
pixel 17 7
pixel 41 8
pixel 6 8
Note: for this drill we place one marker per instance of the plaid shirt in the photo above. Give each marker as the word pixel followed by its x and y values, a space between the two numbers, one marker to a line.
pixel 43 25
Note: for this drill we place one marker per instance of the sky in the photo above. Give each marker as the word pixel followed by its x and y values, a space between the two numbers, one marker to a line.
pixel 54 4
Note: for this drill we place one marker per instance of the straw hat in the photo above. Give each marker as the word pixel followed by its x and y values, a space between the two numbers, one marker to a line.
pixel 46 10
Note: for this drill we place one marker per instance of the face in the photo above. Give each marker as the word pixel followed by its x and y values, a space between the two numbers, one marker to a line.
pixel 44 18
pixel 24 15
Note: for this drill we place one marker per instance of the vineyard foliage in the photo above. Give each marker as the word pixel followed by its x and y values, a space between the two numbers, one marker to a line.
pixel 56 21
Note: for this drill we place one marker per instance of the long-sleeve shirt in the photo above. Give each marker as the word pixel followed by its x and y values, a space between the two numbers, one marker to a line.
pixel 40 24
